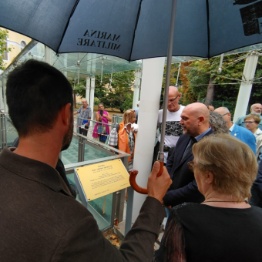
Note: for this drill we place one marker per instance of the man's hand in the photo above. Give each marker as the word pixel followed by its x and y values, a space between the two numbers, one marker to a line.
pixel 157 186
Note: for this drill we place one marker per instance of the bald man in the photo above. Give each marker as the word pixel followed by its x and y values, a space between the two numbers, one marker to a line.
pixel 195 124
pixel 254 109
pixel 173 127
pixel 239 132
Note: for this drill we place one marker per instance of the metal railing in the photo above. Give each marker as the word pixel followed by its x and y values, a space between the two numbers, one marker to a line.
pixel 93 131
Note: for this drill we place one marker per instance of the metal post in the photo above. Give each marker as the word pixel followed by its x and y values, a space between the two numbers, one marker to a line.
pixel 114 211
pixel 81 148
pixel 3 130
pixel 129 209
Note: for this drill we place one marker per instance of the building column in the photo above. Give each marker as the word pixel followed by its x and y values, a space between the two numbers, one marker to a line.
pixel 137 84
pixel 152 76
pixel 92 92
pixel 246 85
pixel 88 89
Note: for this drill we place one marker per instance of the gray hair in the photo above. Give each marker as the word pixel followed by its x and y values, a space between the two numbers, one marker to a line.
pixel 217 123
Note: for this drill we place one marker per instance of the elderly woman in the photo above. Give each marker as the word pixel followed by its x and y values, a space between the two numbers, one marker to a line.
pixel 224 227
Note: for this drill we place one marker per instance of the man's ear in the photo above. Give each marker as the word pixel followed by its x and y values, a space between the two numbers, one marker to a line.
pixel 66 113
pixel 201 119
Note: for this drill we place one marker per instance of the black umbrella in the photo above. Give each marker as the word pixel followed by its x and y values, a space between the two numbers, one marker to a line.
pixel 137 29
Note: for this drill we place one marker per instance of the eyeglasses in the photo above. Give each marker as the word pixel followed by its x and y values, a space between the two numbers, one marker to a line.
pixel 249 122
pixel 172 99
pixel 224 114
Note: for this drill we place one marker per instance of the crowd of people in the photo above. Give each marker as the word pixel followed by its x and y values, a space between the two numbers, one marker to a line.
pixel 119 135
pixel 210 188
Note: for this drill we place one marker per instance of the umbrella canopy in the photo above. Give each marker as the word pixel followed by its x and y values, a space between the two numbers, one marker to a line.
pixel 136 29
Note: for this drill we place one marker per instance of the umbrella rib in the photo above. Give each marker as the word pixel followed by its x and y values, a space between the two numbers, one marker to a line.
pixel 72 12
pixel 208 29
pixel 137 18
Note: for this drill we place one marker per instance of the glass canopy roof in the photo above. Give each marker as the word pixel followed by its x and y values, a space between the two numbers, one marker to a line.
pixel 81 65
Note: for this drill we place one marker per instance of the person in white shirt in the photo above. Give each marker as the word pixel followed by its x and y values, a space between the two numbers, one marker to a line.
pixel 173 127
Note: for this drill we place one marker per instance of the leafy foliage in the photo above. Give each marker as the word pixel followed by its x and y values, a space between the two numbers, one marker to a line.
pixel 195 78
pixel 114 91
pixel 3 47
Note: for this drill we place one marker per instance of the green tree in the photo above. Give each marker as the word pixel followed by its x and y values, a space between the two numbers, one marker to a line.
pixel 115 91
pixel 200 73
pixel 173 75
pixel 3 47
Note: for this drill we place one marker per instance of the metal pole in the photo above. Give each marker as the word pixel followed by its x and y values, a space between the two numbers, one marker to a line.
pixel 3 130
pixel 81 148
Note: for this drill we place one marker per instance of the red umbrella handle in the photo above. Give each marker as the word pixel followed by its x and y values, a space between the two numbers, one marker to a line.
pixel 135 186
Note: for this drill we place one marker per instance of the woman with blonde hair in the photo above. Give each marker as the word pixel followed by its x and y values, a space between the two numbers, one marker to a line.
pixel 127 134
pixel 224 227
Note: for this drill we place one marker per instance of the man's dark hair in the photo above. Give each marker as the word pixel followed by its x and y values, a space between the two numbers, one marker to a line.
pixel 35 93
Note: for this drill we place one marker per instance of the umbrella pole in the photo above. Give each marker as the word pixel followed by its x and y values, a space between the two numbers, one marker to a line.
pixel 168 69
pixel 133 174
